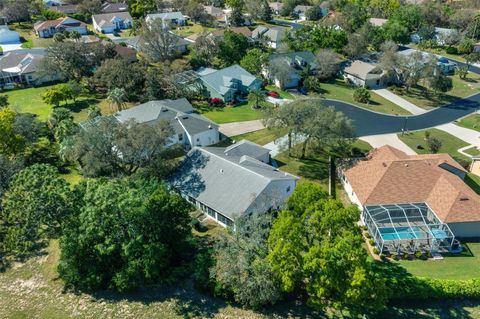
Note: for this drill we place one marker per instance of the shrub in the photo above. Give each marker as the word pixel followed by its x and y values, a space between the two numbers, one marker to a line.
pixel 216 101
pixel 395 257
pixel 418 254
pixel 451 50
pixel 375 250
pixel 361 95
pixel 371 242
pixel 383 257
pixel 367 235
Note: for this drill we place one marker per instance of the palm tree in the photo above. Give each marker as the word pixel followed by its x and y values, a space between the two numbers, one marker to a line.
pixel 93 112
pixel 255 97
pixel 117 97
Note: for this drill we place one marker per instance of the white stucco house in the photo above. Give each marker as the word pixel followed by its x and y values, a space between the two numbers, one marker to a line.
pixel 112 22
pixel 364 74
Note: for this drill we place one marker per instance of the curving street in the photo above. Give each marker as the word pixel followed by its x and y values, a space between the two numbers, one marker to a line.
pixel 371 123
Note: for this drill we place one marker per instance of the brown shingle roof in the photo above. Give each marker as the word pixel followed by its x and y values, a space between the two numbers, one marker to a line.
pixel 389 176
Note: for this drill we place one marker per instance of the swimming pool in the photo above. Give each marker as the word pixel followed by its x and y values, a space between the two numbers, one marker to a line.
pixel 404 233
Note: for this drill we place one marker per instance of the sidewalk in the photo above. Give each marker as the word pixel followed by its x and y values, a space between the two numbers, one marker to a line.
pixel 465 134
pixel 392 97
pixel 388 139
pixel 237 128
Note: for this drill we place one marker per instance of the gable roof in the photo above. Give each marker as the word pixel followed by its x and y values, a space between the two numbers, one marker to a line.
pixel 389 176
pixel 67 8
pixel 105 20
pixel 108 7
pixel 228 184
pixel 21 61
pixel 362 70
pixel 213 11
pixel 221 80
pixel 64 21
pixel 274 34
pixel 179 113
pixel 292 57
pixel 245 147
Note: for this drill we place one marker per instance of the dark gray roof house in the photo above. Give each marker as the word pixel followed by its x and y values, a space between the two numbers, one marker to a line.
pixel 226 183
pixel 298 62
pixel 274 35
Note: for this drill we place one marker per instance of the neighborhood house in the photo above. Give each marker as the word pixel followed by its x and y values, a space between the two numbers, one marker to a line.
pixel 21 67
pixel 444 64
pixel 227 183
pixel 299 62
pixel 112 22
pixel 47 29
pixel 190 129
pixel 363 74
pixel 273 36
pixel 168 18
pixel 228 84
pixel 412 202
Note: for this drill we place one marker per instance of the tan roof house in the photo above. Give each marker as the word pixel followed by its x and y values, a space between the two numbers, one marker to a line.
pixel 389 178
pixel 364 74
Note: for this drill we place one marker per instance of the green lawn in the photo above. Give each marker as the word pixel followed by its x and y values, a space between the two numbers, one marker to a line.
pixel 461 88
pixel 474 182
pixel 261 137
pixel 474 151
pixel 339 90
pixel 463 266
pixel 450 143
pixel 192 28
pixel 30 101
pixel 471 122
pixel 228 114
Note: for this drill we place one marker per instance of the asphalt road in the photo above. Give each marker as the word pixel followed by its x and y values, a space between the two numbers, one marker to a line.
pixel 371 123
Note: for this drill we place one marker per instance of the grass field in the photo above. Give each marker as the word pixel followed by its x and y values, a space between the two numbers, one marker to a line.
pixel 228 114
pixel 192 28
pixel 463 266
pixel 450 143
pixel 30 101
pixel 471 122
pixel 461 88
pixel 339 90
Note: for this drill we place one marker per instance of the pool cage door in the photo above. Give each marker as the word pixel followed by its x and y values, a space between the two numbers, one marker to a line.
pixel 407 228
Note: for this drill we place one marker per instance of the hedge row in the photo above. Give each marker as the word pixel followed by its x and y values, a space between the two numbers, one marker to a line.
pixel 425 288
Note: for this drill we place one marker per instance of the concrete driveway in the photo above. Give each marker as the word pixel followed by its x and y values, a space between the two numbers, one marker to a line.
pixel 237 128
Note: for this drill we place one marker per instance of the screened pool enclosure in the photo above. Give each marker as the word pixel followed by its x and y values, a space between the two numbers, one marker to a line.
pixel 407 228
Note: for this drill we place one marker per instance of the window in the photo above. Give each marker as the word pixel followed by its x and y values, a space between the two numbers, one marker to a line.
pixel 224 220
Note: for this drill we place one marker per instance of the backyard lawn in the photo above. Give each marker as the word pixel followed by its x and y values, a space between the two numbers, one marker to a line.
pixel 339 90
pixel 228 114
pixel 471 122
pixel 192 28
pixel 461 89
pixel 30 101
pixel 463 266
pixel 450 143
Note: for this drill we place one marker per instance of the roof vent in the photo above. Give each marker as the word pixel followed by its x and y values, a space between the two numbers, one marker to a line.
pixel 164 109
pixel 185 117
pixel 221 170
pixel 384 164
pixel 210 127
pixel 464 198
pixel 406 164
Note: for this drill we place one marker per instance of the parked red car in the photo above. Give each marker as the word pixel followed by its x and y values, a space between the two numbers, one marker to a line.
pixel 273 94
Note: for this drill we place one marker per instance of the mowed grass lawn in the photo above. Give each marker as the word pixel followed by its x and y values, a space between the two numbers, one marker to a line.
pixel 228 114
pixel 450 143
pixel 461 89
pixel 261 137
pixel 463 266
pixel 471 122
pixel 339 90
pixel 192 28
pixel 30 101
pixel 28 37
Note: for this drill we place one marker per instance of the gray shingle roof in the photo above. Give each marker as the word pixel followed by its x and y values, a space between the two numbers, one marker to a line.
pixel 177 112
pixel 221 80
pixel 21 61
pixel 275 34
pixel 245 147
pixel 166 16
pixel 228 184
pixel 292 57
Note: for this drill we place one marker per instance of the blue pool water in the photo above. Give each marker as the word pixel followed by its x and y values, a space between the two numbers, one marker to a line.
pixel 403 233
